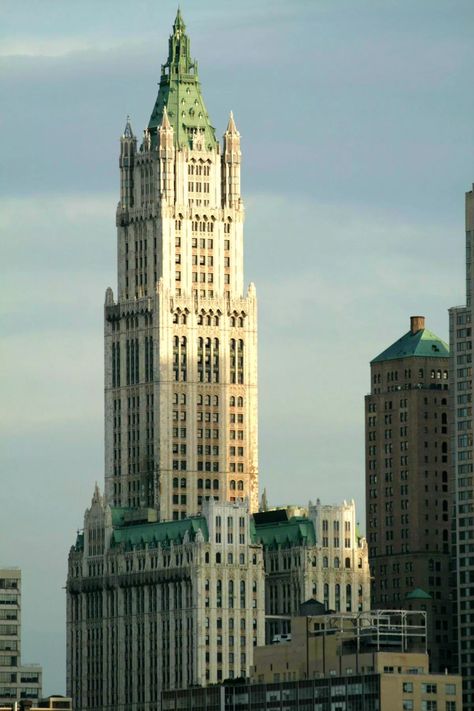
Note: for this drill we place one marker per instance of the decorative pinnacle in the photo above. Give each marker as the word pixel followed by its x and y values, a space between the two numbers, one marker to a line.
pixel 128 133
pixel 231 127
pixel 165 122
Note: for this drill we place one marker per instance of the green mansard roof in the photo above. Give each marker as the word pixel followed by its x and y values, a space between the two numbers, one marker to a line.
pixel 296 531
pixel 418 342
pixel 163 533
pixel 180 92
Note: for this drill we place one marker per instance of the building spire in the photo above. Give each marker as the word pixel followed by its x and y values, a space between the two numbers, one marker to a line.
pixel 179 25
pixel 180 92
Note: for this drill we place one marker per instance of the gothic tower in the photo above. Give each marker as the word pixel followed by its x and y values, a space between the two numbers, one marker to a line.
pixel 181 335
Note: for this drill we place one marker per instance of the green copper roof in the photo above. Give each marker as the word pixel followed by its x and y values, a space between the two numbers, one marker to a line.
pixel 297 531
pixel 165 532
pixel 180 92
pixel 422 344
pixel 418 594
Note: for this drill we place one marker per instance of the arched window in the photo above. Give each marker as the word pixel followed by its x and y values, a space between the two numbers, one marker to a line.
pixel 348 563
pixel 325 561
pixel 175 482
pixel 240 485
pixel 336 562
pixel 240 402
pixel 199 483
pixel 232 401
pixel 208 483
pixel 338 597
pixel 348 597
pixel 215 484
pixel 232 484
pixel 183 483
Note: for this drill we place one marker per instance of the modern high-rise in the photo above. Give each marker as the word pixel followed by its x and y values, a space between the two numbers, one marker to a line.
pixel 18 682
pixel 181 332
pixel 408 483
pixel 460 336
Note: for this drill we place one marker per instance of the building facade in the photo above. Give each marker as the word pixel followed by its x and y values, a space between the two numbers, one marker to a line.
pixel 18 682
pixel 460 340
pixel 409 483
pixel 181 332
pixel 158 605
pixel 319 555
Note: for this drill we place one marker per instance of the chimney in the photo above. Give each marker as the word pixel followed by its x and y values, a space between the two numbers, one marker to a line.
pixel 417 323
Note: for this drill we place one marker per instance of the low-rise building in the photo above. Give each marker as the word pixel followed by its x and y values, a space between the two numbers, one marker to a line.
pixel 362 660
pixel 59 703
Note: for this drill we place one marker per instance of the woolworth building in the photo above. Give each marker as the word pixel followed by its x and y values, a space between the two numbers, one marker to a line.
pixel 181 333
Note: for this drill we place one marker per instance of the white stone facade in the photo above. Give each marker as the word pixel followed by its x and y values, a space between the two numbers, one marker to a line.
pixel 181 337
pixel 155 606
pixel 331 565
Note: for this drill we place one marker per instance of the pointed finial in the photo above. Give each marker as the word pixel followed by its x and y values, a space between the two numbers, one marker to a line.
pixel 128 133
pixel 165 122
pixel 231 127
pixel 96 496
pixel 179 22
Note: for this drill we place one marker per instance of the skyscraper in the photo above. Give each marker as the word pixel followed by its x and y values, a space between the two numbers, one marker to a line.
pixel 460 335
pixel 181 335
pixel 408 483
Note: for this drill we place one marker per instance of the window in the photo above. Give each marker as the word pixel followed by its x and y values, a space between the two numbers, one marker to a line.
pixel 429 706
pixel 407 687
pixel 407 705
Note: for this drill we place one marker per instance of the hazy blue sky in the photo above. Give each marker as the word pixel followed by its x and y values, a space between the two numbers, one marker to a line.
pixel 357 132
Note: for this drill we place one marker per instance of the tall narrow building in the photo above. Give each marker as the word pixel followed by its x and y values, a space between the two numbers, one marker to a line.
pixel 460 335
pixel 181 334
pixel 408 483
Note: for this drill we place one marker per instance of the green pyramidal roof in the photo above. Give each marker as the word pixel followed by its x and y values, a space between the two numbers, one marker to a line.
pixel 180 92
pixel 422 344
pixel 418 594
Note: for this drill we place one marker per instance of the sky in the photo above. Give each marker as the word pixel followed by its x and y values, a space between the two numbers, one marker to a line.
pixel 357 136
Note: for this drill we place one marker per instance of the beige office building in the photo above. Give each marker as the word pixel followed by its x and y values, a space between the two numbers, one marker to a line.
pixel 18 681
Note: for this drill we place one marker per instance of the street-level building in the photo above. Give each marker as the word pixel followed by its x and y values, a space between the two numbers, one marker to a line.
pixel 371 661
pixel 18 681
pixel 409 483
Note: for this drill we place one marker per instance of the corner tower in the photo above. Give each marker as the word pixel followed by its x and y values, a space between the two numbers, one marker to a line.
pixel 181 334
